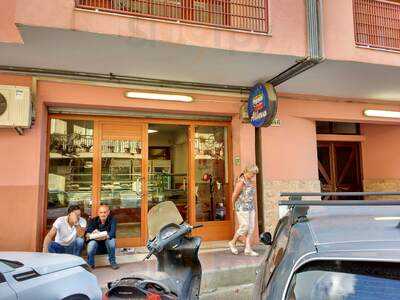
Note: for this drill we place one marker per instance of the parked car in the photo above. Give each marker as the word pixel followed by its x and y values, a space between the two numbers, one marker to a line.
pixel 30 275
pixel 333 250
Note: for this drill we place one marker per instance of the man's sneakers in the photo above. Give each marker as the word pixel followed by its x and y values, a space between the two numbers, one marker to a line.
pixel 114 266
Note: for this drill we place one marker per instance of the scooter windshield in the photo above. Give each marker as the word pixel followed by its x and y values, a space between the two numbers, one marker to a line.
pixel 160 215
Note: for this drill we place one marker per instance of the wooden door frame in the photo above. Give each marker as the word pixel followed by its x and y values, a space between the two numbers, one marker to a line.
pixel 215 230
pixel 358 160
pixel 355 141
pixel 131 241
pixel 212 230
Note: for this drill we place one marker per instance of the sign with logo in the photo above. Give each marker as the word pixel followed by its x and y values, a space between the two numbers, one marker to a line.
pixel 276 123
pixel 262 105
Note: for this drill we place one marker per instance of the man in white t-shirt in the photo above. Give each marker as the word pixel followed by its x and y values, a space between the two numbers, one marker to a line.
pixel 68 233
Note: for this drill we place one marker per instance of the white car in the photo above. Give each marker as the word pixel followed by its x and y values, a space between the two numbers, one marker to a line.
pixel 30 275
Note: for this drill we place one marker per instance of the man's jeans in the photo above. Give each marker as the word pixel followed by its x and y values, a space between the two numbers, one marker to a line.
pixel 99 247
pixel 74 248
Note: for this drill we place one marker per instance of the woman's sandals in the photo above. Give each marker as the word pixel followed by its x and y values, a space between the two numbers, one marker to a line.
pixel 250 253
pixel 234 250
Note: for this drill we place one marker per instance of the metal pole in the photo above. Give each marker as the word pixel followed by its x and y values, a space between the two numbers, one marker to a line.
pixel 260 183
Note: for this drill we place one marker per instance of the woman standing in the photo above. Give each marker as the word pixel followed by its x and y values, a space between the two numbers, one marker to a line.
pixel 245 210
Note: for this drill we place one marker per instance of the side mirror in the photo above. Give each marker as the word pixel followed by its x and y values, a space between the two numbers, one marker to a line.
pixel 266 238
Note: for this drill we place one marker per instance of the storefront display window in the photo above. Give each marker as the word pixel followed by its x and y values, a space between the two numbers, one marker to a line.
pixel 132 166
pixel 211 173
pixel 70 167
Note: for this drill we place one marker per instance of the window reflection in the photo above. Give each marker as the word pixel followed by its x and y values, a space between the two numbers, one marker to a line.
pixel 211 173
pixel 121 183
pixel 168 166
pixel 345 280
pixel 70 167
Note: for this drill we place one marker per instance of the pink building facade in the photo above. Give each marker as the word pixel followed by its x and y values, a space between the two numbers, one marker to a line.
pixel 80 58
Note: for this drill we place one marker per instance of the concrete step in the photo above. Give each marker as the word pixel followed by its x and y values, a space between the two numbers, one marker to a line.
pixel 242 292
pixel 139 253
pixel 225 276
pixel 236 275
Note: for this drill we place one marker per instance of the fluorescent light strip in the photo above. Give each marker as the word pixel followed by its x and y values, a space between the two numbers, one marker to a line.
pixel 387 218
pixel 381 113
pixel 152 131
pixel 155 96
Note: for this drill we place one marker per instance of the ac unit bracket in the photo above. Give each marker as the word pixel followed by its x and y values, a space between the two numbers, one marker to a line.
pixel 19 130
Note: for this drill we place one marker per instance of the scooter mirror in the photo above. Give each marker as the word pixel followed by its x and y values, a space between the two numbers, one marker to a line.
pixel 266 238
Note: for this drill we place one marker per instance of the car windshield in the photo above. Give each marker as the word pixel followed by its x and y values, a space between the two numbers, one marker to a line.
pixel 345 280
pixel 11 263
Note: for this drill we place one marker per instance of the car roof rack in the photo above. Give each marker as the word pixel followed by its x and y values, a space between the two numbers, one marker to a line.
pixel 300 195
pixel 292 203
pixel 300 207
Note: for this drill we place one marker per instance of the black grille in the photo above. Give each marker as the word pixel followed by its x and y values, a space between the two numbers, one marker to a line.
pixel 26 276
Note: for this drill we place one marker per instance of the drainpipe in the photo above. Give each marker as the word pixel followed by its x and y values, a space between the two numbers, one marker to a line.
pixel 121 79
pixel 315 55
pixel 313 58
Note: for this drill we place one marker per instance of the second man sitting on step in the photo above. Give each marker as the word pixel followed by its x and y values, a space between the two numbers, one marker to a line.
pixel 101 236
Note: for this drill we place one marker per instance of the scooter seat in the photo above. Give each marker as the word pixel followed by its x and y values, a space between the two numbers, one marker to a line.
pixel 161 278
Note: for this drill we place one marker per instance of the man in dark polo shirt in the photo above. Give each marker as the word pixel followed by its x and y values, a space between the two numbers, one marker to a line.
pixel 101 236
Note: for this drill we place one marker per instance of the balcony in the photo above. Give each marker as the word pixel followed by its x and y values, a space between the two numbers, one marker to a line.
pixel 377 24
pixel 240 15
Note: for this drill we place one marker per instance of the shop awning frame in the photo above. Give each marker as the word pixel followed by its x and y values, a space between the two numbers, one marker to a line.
pixel 136 114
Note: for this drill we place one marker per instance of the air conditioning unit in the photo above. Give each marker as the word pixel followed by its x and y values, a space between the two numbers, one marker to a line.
pixel 15 107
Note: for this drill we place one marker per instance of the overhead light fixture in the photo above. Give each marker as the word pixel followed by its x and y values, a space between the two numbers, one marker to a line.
pixel 381 113
pixel 387 218
pixel 152 131
pixel 156 96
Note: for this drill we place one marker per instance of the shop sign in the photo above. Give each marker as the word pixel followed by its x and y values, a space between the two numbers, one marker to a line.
pixel 276 123
pixel 262 105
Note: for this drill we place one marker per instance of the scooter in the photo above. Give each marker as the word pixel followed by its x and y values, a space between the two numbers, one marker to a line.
pixel 179 270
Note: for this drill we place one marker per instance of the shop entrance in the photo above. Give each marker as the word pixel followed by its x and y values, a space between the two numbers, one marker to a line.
pixel 339 167
pixel 133 164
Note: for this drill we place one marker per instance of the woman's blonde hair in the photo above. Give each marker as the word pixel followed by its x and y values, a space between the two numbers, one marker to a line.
pixel 250 169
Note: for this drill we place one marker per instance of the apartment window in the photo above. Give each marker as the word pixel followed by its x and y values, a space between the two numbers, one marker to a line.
pixel 337 128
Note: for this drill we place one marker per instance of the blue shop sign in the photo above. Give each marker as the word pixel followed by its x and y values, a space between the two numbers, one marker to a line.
pixel 261 106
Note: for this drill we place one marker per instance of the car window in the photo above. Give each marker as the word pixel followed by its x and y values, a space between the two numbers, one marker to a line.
pixel 345 280
pixel 278 248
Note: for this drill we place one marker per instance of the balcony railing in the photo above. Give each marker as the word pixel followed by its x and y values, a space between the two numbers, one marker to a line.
pixel 377 24
pixel 247 15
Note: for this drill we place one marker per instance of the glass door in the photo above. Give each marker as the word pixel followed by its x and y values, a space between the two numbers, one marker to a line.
pixel 211 165
pixel 168 146
pixel 121 164
pixel 211 184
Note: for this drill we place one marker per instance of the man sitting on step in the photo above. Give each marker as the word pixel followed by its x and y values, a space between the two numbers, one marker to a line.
pixel 101 236
pixel 68 233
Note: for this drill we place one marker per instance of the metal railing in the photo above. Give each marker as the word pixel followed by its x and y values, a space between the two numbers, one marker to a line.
pixel 247 15
pixel 377 24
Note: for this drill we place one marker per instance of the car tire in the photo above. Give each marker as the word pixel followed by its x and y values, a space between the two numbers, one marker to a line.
pixel 77 297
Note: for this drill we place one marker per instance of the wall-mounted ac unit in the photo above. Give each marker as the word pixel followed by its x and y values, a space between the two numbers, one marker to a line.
pixel 15 107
